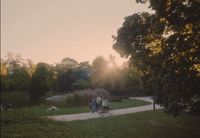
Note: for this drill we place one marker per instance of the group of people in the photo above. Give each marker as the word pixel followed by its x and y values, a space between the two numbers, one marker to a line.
pixel 99 102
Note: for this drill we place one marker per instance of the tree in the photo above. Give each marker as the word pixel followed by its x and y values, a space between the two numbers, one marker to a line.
pixel 81 84
pixel 64 81
pixel 165 47
pixel 98 76
pixel 51 77
pixel 11 65
pixel 39 84
pixel 21 79
pixel 105 76
pixel 132 79
pixel 30 66
pixel 69 62
pixel 4 67
pixel 66 63
pixel 82 71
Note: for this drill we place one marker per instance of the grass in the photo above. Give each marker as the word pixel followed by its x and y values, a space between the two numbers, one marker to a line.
pixel 17 124
pixel 151 124
pixel 148 124
pixel 41 110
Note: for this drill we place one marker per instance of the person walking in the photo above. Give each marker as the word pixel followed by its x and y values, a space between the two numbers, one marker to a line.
pixel 94 102
pixel 98 102
pixel 101 101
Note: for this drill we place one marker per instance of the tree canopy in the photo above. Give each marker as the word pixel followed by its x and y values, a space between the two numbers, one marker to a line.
pixel 165 46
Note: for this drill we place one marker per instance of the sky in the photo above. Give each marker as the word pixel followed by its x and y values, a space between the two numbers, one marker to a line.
pixel 50 30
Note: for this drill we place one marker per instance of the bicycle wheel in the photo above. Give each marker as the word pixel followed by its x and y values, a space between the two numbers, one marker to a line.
pixel 110 111
pixel 101 112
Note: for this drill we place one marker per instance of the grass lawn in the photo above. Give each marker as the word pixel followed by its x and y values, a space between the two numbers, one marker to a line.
pixel 148 124
pixel 41 110
pixel 18 124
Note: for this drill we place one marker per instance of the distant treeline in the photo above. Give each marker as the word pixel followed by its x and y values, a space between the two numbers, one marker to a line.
pixel 25 76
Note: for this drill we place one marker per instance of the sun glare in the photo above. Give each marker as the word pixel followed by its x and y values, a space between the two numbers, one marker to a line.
pixel 110 65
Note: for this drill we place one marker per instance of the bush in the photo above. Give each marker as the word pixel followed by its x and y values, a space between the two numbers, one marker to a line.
pixel 135 91
pixel 117 99
pixel 68 100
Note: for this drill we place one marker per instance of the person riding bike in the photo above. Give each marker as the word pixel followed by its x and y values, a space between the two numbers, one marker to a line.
pixel 105 104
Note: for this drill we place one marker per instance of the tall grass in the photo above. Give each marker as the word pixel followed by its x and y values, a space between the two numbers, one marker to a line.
pixel 79 98
pixel 91 93
pixel 71 101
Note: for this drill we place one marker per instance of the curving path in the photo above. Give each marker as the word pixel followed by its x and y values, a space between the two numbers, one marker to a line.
pixel 85 116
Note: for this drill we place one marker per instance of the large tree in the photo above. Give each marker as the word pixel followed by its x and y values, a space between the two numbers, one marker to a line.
pixel 105 74
pixel 165 46
pixel 21 79
pixel 98 75
pixel 39 81
pixel 64 82
pixel 66 63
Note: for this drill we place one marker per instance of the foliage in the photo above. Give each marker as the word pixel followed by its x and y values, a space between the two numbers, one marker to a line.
pixel 165 47
pixel 39 83
pixel 105 76
pixel 15 73
pixel 66 63
pixel 81 84
pixel 99 65
pixel 22 79
pixel 64 81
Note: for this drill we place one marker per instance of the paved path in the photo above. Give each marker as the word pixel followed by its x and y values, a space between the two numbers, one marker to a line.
pixel 85 116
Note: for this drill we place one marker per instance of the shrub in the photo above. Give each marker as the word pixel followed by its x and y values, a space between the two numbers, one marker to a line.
pixel 76 99
pixel 117 99
pixel 68 100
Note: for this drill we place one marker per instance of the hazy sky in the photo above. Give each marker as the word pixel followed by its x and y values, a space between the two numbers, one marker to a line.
pixel 50 30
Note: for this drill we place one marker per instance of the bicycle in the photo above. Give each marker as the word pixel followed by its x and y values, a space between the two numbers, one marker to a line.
pixel 102 111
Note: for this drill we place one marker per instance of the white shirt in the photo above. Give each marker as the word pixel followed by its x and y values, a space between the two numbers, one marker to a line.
pixel 98 100
pixel 105 102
